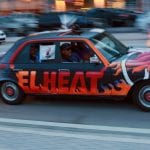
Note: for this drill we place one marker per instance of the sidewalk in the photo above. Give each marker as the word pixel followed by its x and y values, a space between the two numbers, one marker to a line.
pixel 122 30
pixel 130 36
pixel 12 39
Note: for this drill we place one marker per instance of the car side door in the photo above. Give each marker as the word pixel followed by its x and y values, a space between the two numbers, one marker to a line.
pixel 84 77
pixel 37 74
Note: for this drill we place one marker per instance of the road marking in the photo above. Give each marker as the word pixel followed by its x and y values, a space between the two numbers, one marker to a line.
pixel 131 139
pixel 76 126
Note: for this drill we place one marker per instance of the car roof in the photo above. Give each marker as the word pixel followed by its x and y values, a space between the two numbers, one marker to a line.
pixel 85 33
pixel 57 35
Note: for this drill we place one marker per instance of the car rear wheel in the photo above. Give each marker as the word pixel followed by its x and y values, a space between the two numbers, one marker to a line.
pixel 11 93
pixel 141 95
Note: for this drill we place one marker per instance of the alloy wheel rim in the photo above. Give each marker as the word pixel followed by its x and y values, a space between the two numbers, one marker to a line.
pixel 144 96
pixel 10 91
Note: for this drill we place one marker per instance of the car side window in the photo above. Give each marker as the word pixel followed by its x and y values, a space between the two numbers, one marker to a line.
pixel 41 52
pixel 23 56
pixel 34 53
pixel 47 52
pixel 67 53
pixel 77 52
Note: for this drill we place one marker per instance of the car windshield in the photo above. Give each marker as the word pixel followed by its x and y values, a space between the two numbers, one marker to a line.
pixel 109 46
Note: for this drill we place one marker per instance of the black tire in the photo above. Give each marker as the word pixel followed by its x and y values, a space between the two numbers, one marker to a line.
pixel 141 95
pixel 11 93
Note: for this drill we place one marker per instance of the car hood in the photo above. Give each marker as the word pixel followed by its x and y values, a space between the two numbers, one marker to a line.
pixel 138 57
pixel 133 66
pixel 139 50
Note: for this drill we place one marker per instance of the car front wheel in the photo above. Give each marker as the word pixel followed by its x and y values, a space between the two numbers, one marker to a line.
pixel 11 93
pixel 141 95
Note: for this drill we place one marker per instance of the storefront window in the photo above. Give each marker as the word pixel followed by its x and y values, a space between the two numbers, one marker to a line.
pixel 100 3
pixel 115 3
pixel 60 5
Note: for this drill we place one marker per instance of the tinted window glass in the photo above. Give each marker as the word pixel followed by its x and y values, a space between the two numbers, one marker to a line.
pixel 37 53
pixel 77 52
pixel 23 56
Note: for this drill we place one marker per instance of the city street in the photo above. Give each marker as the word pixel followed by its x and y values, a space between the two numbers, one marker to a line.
pixel 72 123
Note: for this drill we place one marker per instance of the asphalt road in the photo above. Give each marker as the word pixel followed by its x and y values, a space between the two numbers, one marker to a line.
pixel 87 123
pixel 78 111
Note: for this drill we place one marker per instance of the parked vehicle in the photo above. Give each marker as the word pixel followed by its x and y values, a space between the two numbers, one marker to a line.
pixel 2 36
pixel 35 65
pixel 113 16
pixel 83 21
pixel 55 20
pixel 49 21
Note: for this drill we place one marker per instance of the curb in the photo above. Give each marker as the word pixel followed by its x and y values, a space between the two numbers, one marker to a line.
pixel 74 127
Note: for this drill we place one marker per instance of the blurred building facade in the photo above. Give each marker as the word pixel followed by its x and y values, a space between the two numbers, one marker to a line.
pixel 38 6
pixel 139 5
pixel 8 6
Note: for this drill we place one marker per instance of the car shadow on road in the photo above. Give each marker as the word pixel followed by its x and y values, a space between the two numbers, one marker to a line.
pixel 77 101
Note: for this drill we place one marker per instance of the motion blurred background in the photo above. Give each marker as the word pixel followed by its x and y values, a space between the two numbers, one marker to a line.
pixel 26 16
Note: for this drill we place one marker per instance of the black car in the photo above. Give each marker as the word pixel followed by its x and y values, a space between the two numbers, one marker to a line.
pixel 48 21
pixel 56 20
pixel 113 16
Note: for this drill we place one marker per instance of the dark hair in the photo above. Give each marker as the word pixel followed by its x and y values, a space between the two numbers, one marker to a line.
pixel 65 46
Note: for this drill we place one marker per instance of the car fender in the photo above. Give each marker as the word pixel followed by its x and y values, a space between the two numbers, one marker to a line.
pixel 8 79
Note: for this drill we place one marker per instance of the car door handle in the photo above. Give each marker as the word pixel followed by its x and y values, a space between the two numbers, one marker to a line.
pixel 67 70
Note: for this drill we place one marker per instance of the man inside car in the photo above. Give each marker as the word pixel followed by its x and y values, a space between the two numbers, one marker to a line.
pixel 67 55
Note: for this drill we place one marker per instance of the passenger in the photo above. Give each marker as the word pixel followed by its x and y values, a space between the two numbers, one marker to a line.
pixel 86 57
pixel 34 54
pixel 67 54
pixel 86 54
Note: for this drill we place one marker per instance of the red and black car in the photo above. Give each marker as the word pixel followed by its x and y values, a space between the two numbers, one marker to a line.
pixel 105 68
